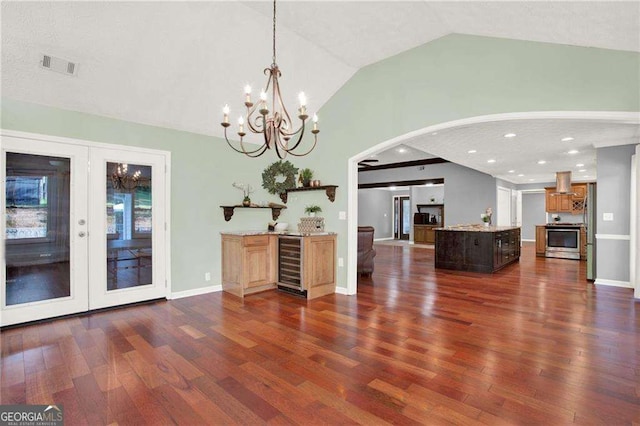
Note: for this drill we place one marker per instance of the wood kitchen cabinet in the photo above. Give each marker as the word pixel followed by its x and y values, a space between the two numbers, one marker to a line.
pixel 566 203
pixel 541 240
pixel 319 265
pixel 249 263
pixel 305 264
pixel 424 234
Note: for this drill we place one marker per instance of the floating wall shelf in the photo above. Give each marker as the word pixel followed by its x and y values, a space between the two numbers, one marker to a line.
pixel 229 210
pixel 329 189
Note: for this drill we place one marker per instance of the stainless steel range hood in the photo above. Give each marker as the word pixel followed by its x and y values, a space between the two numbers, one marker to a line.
pixel 563 183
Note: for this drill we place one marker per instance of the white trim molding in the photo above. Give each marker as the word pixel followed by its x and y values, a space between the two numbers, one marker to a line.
pixel 527 240
pixel 383 239
pixel 613 237
pixel 613 283
pixel 342 290
pixel 195 292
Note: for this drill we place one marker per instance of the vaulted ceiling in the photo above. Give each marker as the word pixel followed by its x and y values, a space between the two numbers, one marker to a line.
pixel 175 64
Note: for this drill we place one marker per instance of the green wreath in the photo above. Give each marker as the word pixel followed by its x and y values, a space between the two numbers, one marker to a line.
pixel 279 168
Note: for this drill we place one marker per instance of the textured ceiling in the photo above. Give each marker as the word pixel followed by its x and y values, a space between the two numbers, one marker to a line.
pixel 176 64
pixel 517 158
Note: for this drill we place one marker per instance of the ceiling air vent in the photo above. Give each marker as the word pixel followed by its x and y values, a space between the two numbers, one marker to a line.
pixel 58 65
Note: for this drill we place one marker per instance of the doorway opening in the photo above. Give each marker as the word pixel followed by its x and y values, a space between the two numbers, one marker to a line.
pixel 401 217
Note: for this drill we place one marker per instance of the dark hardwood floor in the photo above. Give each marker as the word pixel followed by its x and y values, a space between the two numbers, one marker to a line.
pixel 532 344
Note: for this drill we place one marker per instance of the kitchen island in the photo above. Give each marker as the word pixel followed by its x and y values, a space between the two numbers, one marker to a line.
pixel 477 248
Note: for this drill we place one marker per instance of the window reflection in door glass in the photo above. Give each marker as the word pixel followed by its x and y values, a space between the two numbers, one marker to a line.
pixel 129 225
pixel 37 251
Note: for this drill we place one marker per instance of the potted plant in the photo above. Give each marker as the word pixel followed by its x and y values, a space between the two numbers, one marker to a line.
pixel 305 177
pixel 312 210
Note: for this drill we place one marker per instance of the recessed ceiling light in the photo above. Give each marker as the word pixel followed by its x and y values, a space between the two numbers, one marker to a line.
pixel 520 175
pixel 510 135
pixel 579 165
pixel 491 161
pixel 530 180
pixel 567 139
pixel 511 171
pixel 585 176
pixel 402 150
pixel 471 151
pixel 582 170
pixel 542 162
pixel 573 151
pixel 434 133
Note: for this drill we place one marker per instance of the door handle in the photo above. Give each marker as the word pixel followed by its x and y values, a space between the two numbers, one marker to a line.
pixel 82 234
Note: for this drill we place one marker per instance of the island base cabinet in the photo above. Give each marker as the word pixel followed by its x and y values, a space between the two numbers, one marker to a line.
pixel 477 251
pixel 248 263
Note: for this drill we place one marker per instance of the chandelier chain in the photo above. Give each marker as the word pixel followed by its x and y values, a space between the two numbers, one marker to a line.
pixel 274 32
pixel 271 119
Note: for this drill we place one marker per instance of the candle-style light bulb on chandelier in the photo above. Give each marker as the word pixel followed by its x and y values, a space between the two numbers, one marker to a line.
pixel 121 179
pixel 275 125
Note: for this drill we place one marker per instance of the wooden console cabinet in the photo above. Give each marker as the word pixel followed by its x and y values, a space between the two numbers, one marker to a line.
pixel 248 263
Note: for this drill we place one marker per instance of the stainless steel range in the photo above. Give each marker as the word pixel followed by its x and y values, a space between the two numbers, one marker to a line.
pixel 563 240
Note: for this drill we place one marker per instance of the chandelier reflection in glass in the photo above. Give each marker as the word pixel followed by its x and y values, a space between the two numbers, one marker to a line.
pixel 275 125
pixel 121 179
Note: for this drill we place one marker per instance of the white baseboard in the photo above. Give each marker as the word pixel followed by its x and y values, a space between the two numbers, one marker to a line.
pixel 613 283
pixel 342 290
pixel 529 241
pixel 195 292
pixel 383 239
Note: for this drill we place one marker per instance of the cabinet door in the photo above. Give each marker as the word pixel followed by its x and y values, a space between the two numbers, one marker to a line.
pixel 430 235
pixel 319 265
pixel 551 201
pixel 497 250
pixel 256 266
pixel 418 234
pixel 565 203
pixel 541 240
pixel 580 191
pixel 259 261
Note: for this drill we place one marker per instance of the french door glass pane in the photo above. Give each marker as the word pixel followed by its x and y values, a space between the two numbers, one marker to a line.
pixel 37 216
pixel 129 226
pixel 406 216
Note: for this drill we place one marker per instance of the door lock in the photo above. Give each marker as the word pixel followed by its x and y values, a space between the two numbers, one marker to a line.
pixel 82 234
pixel 82 222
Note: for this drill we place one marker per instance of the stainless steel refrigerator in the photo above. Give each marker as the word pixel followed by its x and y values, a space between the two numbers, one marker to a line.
pixel 590 220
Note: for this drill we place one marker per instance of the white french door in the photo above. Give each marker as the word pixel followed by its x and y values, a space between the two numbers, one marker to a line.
pixel 83 227
pixel 45 256
pixel 127 243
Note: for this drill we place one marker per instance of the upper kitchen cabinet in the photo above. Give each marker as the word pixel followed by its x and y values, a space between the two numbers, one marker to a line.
pixel 566 203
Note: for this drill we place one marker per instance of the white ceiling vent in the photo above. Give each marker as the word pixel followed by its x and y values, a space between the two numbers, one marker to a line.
pixel 59 65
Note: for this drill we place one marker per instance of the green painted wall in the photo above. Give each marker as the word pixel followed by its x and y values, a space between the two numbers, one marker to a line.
pixel 448 79
pixel 203 169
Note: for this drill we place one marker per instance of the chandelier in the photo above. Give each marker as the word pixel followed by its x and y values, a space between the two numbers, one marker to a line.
pixel 120 179
pixel 275 125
